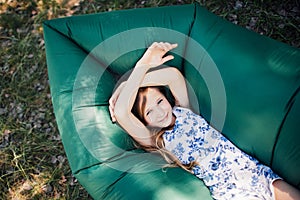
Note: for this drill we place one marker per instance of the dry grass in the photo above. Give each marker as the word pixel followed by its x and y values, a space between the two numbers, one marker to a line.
pixel 33 164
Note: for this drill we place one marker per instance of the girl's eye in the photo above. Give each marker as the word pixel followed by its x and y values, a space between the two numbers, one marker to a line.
pixel 159 101
pixel 148 112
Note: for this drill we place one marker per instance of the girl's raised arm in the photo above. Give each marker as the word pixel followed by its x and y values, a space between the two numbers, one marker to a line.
pixel 173 78
pixel 153 57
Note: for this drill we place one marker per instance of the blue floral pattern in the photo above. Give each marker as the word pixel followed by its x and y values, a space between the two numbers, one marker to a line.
pixel 228 172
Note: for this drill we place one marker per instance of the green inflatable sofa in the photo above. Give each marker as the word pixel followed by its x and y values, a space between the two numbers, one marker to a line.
pixel 246 85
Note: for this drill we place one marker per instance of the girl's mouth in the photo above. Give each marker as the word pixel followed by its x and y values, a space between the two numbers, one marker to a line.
pixel 164 118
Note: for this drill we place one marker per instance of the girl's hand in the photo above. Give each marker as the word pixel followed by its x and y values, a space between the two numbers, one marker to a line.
pixel 113 99
pixel 154 56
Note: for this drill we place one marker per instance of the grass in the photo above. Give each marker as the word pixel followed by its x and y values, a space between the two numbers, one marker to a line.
pixel 33 164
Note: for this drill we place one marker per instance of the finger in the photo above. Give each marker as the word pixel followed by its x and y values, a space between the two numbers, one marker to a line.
pixel 174 45
pixel 171 46
pixel 164 47
pixel 167 46
pixel 111 106
pixel 153 45
pixel 113 119
pixel 111 111
pixel 167 58
pixel 114 97
pixel 111 99
pixel 160 45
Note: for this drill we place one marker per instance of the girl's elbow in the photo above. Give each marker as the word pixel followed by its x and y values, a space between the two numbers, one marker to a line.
pixel 176 74
pixel 120 114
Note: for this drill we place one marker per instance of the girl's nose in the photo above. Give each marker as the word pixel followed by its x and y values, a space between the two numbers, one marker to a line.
pixel 160 112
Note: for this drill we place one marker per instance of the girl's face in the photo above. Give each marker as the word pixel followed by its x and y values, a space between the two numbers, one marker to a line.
pixel 157 110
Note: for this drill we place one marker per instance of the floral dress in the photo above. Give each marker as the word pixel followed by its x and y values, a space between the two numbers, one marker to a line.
pixel 228 172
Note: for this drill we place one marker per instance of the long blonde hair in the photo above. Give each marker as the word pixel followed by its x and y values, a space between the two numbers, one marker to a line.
pixel 157 134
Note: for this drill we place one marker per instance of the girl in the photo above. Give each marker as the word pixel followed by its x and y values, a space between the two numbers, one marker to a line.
pixel 151 115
